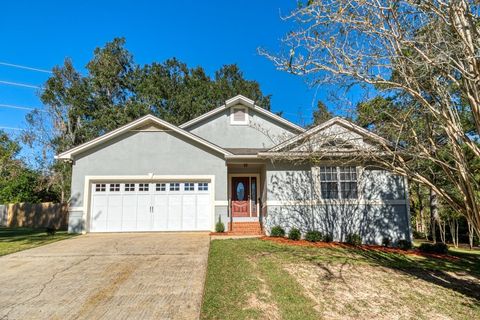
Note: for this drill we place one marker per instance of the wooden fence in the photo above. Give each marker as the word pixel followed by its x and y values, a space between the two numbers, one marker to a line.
pixel 37 215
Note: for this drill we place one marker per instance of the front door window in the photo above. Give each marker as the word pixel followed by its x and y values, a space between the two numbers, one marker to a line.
pixel 240 191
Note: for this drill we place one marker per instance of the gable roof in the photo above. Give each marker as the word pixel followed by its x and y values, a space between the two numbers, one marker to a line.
pixel 336 120
pixel 239 99
pixel 136 124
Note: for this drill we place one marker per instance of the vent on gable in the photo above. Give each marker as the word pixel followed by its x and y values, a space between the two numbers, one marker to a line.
pixel 239 115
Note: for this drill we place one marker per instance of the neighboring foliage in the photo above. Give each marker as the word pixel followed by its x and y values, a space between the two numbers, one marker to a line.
pixel 314 236
pixel 354 239
pixel 386 242
pixel 277 231
pixel 294 234
pixel 328 237
pixel 322 114
pixel 114 91
pixel 18 183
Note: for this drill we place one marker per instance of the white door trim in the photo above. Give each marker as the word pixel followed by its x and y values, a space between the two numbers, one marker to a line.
pixel 89 180
pixel 229 186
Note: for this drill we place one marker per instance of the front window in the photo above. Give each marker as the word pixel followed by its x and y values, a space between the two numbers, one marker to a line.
pixel 338 182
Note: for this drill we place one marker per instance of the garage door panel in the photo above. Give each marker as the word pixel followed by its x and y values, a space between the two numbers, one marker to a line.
pixel 160 212
pixel 189 212
pixel 144 214
pixel 99 214
pixel 204 212
pixel 174 213
pixel 114 214
pixel 129 216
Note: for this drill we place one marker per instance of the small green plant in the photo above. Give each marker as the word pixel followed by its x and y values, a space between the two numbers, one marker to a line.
pixel 418 234
pixel 354 239
pixel 328 237
pixel 219 227
pixel 277 231
pixel 405 244
pixel 386 242
pixel 434 248
pixel 314 236
pixel 294 234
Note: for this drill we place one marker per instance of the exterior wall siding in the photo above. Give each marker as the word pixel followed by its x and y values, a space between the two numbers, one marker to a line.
pixel 262 132
pixel 139 154
pixel 294 200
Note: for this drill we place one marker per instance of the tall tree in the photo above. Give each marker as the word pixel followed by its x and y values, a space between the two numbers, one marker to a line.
pixel 322 114
pixel 115 91
pixel 422 51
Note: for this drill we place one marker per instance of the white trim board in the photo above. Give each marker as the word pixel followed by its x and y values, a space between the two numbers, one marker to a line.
pixel 239 99
pixel 308 202
pixel 68 155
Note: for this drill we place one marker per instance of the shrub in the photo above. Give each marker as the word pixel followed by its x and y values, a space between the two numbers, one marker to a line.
pixel 51 231
pixel 219 227
pixel 386 241
pixel 418 235
pixel 404 244
pixel 314 236
pixel 354 239
pixel 294 234
pixel 434 248
pixel 277 231
pixel 328 238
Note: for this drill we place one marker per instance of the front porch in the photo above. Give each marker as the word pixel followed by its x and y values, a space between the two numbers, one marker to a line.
pixel 245 204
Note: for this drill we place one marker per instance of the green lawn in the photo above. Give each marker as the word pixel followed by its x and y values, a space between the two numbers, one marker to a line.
pixel 17 239
pixel 258 279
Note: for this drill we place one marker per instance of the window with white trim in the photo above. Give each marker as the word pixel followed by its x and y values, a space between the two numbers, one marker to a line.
pixel 100 187
pixel 174 186
pixel 161 187
pixel 338 182
pixel 129 187
pixel 203 186
pixel 114 187
pixel 143 187
pixel 189 186
pixel 239 115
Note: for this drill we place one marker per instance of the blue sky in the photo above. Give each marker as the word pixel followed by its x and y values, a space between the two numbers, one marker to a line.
pixel 41 34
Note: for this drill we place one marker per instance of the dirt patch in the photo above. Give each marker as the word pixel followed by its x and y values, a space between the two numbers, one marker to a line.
pixel 414 252
pixel 345 291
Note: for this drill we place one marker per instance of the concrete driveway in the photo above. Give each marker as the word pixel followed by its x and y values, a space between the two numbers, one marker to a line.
pixel 107 276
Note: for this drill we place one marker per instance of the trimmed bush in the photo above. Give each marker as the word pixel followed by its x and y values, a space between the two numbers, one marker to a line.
pixel 405 244
pixel 277 231
pixel 434 248
pixel 354 239
pixel 314 236
pixel 386 242
pixel 328 238
pixel 219 227
pixel 294 234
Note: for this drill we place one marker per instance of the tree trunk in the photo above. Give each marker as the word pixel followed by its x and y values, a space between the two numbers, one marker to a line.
pixel 421 209
pixel 433 214
pixel 470 234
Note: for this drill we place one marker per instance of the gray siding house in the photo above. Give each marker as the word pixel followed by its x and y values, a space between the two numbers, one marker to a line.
pixel 239 164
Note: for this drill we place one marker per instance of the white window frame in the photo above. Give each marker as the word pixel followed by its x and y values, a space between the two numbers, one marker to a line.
pixel 160 187
pixel 176 188
pixel 114 187
pixel 202 186
pixel 232 116
pixel 191 186
pixel 339 182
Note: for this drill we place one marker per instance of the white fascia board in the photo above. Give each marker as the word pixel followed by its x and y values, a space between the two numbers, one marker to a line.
pixel 67 155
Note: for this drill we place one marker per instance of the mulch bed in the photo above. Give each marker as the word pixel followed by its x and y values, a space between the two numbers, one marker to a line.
pixel 414 252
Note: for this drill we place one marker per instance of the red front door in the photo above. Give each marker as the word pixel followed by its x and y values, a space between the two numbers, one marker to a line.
pixel 240 197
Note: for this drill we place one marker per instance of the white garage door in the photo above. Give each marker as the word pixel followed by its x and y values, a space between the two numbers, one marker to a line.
pixel 161 206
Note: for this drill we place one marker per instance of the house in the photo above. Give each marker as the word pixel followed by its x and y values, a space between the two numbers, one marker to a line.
pixel 238 164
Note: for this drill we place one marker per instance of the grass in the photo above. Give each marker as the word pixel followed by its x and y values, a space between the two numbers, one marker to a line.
pixel 258 279
pixel 18 239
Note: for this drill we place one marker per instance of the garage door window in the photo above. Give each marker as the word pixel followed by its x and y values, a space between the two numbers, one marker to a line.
pixel 100 187
pixel 188 186
pixel 203 186
pixel 129 187
pixel 114 187
pixel 175 186
pixel 143 187
pixel 160 187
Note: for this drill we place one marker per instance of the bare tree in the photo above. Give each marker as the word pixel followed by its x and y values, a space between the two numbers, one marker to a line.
pixel 428 53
